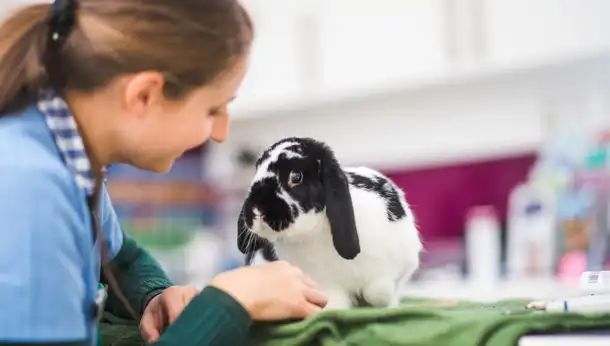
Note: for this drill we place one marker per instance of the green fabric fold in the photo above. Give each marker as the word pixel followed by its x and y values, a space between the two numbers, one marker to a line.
pixel 421 322
pixel 418 322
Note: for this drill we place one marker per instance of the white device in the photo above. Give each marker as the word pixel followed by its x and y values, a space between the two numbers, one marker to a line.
pixel 595 287
pixel 595 282
pixel 587 304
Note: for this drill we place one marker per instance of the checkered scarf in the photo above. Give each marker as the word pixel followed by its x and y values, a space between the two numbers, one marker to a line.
pixel 60 121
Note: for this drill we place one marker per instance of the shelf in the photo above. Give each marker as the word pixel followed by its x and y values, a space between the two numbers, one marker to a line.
pixel 490 113
pixel 162 193
pixel 328 56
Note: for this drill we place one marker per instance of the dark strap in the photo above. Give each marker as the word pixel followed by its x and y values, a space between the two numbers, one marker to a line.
pixel 98 305
pixel 91 205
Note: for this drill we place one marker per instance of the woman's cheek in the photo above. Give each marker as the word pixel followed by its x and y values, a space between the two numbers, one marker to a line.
pixel 201 133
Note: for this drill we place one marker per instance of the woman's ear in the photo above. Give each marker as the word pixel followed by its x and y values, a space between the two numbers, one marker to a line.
pixel 339 208
pixel 143 92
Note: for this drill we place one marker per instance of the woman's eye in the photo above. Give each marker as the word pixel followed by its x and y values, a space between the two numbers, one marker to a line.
pixel 213 112
pixel 295 178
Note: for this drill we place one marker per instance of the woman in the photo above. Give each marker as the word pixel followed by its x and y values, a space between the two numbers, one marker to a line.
pixel 85 84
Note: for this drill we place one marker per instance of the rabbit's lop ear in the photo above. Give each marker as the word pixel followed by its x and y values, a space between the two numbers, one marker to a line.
pixel 339 208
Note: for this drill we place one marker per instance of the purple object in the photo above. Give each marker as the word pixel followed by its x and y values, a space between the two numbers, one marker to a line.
pixel 441 196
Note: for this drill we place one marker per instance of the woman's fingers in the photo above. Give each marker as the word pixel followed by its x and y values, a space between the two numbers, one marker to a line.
pixel 271 292
pixel 148 328
pixel 309 282
pixel 313 294
pixel 310 310
pixel 304 309
pixel 174 309
pixel 316 297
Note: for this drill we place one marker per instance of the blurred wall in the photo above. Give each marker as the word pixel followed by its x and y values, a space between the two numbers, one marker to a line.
pixel 470 118
pixel 450 145
pixel 443 95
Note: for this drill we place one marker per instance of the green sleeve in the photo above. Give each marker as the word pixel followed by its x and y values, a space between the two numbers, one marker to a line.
pixel 213 318
pixel 139 277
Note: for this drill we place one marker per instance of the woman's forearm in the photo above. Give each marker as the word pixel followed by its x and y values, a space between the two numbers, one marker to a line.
pixel 139 277
pixel 213 318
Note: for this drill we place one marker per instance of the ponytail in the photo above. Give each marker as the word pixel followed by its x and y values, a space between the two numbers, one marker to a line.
pixel 23 42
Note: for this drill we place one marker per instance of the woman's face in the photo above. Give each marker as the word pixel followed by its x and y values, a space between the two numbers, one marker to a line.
pixel 160 131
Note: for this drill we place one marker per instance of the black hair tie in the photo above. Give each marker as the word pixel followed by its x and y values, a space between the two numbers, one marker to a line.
pixel 61 22
pixel 63 19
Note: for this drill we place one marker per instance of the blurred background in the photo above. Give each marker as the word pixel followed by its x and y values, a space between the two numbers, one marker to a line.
pixel 492 115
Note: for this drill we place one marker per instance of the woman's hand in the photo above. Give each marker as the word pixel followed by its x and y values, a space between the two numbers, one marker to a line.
pixel 163 310
pixel 269 292
pixel 273 291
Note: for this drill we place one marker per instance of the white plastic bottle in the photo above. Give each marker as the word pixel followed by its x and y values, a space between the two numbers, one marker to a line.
pixel 531 232
pixel 483 246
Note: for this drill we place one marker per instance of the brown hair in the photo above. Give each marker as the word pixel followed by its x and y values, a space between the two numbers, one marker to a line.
pixel 192 42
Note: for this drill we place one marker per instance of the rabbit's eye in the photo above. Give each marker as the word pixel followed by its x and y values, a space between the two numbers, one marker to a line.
pixel 295 178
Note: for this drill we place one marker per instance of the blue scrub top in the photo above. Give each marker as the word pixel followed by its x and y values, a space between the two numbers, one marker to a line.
pixel 49 265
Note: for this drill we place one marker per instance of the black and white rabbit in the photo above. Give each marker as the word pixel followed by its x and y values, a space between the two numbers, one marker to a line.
pixel 350 229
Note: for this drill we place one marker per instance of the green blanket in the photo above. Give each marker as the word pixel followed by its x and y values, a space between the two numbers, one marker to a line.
pixel 420 322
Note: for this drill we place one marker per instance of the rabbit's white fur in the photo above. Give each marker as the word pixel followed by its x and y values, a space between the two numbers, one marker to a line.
pixel 389 254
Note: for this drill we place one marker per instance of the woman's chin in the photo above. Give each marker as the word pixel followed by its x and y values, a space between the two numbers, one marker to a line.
pixel 157 166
